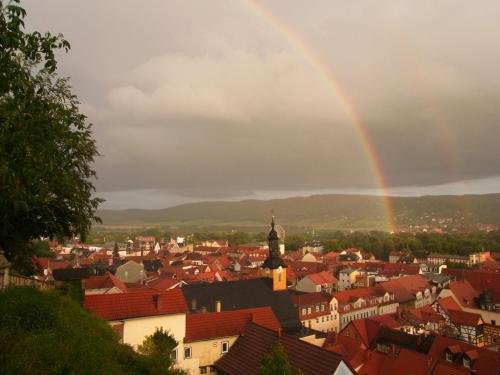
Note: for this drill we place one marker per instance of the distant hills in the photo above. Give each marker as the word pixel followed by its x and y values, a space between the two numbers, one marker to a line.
pixel 332 211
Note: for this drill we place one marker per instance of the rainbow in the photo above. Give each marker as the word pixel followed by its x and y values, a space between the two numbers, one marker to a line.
pixel 299 45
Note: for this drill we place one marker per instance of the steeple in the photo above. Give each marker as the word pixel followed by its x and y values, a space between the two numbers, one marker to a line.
pixel 274 266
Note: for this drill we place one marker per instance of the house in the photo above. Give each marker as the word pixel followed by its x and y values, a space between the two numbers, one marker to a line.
pixel 135 315
pixel 106 284
pixel 462 325
pixel 362 303
pixel 215 243
pixel 245 356
pixel 347 278
pixel 314 311
pixel 410 291
pixel 395 256
pixel 470 300
pixel 130 272
pixel 317 282
pixel 211 335
pixel 462 358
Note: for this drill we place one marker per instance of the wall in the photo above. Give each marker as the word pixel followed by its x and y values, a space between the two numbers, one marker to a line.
pixel 209 351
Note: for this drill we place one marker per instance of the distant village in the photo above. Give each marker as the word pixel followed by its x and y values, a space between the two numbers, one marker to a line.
pixel 342 312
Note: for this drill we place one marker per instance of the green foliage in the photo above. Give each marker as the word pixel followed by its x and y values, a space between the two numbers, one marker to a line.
pixel 73 289
pixel 46 144
pixel 46 333
pixel 158 348
pixel 159 343
pixel 276 363
pixel 116 250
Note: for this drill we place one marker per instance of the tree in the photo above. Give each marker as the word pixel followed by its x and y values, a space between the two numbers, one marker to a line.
pixel 158 347
pixel 47 333
pixel 276 362
pixel 46 144
pixel 116 253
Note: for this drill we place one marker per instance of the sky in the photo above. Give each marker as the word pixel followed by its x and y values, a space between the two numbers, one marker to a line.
pixel 232 99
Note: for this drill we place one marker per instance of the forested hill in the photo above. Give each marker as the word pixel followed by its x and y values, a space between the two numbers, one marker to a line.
pixel 331 211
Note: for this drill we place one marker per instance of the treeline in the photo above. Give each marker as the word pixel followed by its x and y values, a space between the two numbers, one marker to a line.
pixel 378 243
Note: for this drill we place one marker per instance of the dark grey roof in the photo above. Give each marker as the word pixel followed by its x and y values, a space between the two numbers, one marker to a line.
pixel 152 265
pixel 69 274
pixel 244 294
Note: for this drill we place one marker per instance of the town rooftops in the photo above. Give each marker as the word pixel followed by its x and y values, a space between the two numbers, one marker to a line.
pixel 243 294
pixel 206 326
pixel 247 352
pixel 136 304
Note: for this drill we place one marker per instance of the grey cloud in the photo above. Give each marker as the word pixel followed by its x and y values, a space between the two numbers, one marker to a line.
pixel 208 99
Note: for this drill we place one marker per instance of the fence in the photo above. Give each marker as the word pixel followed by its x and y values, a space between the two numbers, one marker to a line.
pixel 17 280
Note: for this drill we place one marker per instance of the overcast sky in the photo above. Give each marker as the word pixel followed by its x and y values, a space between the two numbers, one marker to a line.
pixel 208 99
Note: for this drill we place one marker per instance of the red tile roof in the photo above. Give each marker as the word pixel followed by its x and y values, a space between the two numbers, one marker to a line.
pixel 245 356
pixel 448 303
pixel 426 314
pixel 464 292
pixel 136 304
pixel 163 283
pixel 308 299
pixel 464 318
pixel 106 281
pixel 405 288
pixel 321 278
pixel 206 326
pixel 487 363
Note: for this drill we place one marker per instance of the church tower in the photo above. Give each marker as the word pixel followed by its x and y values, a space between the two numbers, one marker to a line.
pixel 274 266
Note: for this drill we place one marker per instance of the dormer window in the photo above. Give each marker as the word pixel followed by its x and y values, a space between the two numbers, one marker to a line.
pixel 466 362
pixel 449 357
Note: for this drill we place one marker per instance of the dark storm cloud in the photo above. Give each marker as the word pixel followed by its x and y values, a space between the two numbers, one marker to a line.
pixel 208 100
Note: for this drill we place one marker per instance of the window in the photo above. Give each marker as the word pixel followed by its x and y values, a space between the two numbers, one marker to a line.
pixel 304 311
pixel 225 346
pixel 322 307
pixel 203 370
pixel 187 352
pixel 317 308
pixel 317 320
pixel 309 310
pixel 173 355
pixel 449 357
pixel 466 362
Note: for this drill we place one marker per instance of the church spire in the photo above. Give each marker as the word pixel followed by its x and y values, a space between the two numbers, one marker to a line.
pixel 273 260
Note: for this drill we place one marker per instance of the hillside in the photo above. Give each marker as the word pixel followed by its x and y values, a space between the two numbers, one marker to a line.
pixel 323 211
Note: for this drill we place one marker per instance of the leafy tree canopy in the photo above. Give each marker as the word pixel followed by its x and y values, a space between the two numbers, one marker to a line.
pixel 276 362
pixel 158 347
pixel 46 144
pixel 47 333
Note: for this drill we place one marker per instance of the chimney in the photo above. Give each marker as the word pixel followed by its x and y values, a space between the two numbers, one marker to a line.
pixel 218 306
pixel 157 301
pixel 193 304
